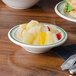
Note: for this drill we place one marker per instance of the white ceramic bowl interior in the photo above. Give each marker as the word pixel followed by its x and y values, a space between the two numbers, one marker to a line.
pixel 20 4
pixel 36 48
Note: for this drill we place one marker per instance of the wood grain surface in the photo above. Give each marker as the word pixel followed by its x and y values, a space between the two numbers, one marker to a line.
pixel 14 60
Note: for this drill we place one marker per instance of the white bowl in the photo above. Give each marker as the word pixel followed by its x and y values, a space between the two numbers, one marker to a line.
pixel 20 4
pixel 36 48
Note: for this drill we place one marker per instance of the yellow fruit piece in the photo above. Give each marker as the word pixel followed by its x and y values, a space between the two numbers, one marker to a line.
pixel 37 29
pixel 35 42
pixel 33 31
pixel 31 24
pixel 49 38
pixel 27 37
pixel 42 25
pixel 41 38
pixel 23 26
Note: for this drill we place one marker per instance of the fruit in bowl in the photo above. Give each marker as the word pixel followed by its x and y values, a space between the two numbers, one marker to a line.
pixel 35 33
pixel 37 37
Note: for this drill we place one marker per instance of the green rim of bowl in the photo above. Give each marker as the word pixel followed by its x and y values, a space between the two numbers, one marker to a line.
pixel 53 44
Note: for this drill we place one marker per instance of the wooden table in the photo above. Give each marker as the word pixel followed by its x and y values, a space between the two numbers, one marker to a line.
pixel 14 60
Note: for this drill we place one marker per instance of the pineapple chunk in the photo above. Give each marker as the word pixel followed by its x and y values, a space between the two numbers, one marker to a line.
pixel 41 38
pixel 32 24
pixel 54 37
pixel 53 29
pixel 38 29
pixel 23 26
pixel 49 38
pixel 44 29
pixel 32 31
pixel 27 37
pixel 35 41
pixel 35 30
pixel 18 35
pixel 42 25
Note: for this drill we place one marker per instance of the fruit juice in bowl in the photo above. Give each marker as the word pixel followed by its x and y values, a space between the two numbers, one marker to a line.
pixel 37 37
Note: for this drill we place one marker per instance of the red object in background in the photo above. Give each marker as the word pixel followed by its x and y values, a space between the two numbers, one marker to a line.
pixel 48 28
pixel 58 36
